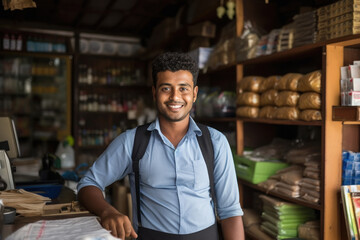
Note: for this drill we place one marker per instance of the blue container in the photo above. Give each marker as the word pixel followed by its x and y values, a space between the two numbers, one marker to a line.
pixel 347 173
pixel 355 181
pixel 347 181
pixel 354 156
pixel 345 154
pixel 348 164
pixel 46 190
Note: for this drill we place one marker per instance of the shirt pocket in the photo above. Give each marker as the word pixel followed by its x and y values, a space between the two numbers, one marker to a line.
pixel 201 174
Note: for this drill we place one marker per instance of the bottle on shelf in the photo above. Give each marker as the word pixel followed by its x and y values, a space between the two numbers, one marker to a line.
pixel 6 42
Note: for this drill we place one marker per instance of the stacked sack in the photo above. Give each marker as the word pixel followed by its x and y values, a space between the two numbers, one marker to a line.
pixel 290 97
pixel 302 178
pixel 309 156
pixel 286 181
pixel 281 219
pixel 248 100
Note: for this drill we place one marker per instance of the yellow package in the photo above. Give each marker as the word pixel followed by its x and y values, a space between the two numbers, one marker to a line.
pixel 310 82
pixel 287 98
pixel 310 100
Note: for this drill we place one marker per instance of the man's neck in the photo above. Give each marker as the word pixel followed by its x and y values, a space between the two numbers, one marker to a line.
pixel 174 131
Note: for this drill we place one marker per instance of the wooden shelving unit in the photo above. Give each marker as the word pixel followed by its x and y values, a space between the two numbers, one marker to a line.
pixel 336 132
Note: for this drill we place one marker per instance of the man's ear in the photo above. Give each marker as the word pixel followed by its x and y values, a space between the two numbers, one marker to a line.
pixel 196 89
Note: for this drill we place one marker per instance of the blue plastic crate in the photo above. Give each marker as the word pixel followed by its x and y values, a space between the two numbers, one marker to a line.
pixel 47 190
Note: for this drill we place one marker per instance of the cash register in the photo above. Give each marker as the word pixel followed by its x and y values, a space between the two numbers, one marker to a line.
pixel 9 149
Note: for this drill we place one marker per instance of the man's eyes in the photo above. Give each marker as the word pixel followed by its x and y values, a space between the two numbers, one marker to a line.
pixel 181 89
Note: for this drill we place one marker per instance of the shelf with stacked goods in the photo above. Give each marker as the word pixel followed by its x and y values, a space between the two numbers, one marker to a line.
pixel 331 127
pixel 35 90
pixel 110 95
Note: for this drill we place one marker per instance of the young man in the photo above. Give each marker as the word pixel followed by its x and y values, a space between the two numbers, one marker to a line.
pixel 175 200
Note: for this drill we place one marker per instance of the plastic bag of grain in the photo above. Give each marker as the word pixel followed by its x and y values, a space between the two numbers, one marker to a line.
pixel 289 81
pixel 267 112
pixel 310 115
pixel 310 82
pixel 248 99
pixel 250 84
pixel 310 100
pixel 245 111
pixel 270 82
pixel 287 98
pixel 287 113
pixel 268 97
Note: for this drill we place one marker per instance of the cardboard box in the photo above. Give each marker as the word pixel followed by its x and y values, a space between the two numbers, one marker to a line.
pixel 353 98
pixel 204 29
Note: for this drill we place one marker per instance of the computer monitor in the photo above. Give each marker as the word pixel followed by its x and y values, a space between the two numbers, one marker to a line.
pixel 8 133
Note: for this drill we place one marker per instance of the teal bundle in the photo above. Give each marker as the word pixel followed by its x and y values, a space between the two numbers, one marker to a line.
pixel 281 219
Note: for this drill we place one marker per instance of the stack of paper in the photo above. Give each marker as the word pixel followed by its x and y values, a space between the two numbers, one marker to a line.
pixel 281 219
pixel 80 228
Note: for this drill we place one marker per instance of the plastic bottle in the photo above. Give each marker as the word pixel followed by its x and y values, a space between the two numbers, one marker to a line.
pixel 6 42
pixel 66 153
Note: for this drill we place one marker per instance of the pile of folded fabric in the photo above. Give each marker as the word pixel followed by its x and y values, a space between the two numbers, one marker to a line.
pixel 281 219
pixel 305 28
pixel 310 184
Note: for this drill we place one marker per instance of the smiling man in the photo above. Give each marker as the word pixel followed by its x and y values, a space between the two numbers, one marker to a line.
pixel 174 185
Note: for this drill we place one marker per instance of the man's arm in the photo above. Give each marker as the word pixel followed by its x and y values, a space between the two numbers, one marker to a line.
pixel 233 228
pixel 119 224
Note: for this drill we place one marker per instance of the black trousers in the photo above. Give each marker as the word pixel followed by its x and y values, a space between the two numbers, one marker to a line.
pixel 210 233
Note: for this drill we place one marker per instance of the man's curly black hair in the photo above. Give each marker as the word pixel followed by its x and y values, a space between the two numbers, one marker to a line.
pixel 174 61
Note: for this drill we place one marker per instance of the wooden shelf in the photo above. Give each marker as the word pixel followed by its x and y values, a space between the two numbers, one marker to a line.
pixel 281 122
pixel 116 87
pixel 231 67
pixel 101 112
pixel 346 113
pixel 282 196
pixel 292 53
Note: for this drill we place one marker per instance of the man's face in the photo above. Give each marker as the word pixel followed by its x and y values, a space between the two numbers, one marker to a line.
pixel 174 94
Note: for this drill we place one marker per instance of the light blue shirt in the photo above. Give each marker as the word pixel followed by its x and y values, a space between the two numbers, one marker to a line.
pixel 174 182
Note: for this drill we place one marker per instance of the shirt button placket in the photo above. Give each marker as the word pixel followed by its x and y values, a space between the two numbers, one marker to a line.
pixel 178 187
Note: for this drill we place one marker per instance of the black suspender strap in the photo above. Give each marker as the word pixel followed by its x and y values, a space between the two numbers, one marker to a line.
pixel 141 141
pixel 207 151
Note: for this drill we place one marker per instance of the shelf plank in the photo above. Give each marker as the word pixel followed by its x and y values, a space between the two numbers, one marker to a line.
pixel 114 86
pixel 282 196
pixel 281 122
pixel 297 51
pixel 101 112
pixel 224 68
pixel 346 113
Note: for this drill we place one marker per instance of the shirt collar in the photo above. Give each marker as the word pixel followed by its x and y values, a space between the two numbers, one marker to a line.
pixel 193 128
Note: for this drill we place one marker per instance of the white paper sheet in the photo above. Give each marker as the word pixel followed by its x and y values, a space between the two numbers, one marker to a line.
pixel 80 228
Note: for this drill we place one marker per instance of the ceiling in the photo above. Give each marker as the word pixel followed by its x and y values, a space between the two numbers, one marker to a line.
pixel 117 17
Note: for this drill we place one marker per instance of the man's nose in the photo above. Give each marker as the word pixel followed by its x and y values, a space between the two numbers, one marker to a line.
pixel 175 94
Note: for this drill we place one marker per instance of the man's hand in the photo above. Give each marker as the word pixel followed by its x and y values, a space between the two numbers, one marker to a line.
pixel 119 224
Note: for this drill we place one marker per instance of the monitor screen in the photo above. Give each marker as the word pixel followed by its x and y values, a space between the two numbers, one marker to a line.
pixel 8 133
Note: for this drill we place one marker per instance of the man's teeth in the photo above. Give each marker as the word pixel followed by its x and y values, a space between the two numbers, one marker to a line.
pixel 175 106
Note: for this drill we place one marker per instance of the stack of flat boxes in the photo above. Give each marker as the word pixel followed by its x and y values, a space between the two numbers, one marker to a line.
pixel 339 19
pixel 350 84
